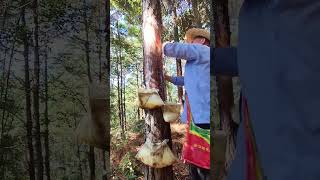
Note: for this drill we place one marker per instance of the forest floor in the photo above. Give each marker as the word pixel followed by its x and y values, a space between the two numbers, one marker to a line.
pixel 124 164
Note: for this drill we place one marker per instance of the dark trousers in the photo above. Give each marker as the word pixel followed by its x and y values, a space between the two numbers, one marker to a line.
pixel 196 172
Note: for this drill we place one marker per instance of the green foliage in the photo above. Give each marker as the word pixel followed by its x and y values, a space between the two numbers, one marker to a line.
pixel 128 167
pixel 10 158
pixel 138 126
pixel 53 9
pixel 61 36
pixel 131 8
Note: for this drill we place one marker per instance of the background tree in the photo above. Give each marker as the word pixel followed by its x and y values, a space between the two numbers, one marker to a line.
pixel 227 89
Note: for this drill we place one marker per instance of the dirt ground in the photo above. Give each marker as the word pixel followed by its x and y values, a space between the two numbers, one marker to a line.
pixel 136 140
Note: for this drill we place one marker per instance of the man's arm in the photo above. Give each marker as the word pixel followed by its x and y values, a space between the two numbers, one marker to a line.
pixel 224 63
pixel 182 50
pixel 176 80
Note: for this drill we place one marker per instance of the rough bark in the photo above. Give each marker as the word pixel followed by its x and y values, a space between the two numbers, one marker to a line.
pixel 156 129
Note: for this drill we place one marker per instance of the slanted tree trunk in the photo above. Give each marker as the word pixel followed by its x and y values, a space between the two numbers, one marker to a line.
pixel 156 129
pixel 225 86
pixel 46 117
pixel 36 87
pixel 176 39
pixel 27 89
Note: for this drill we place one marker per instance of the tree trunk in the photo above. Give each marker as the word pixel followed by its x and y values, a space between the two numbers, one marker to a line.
pixel 121 92
pixel 79 159
pixel 137 68
pixel 118 90
pixel 80 163
pixel 176 39
pixel 36 87
pixel 4 93
pixel 46 117
pixel 99 38
pixel 196 14
pixel 108 60
pixel 120 82
pixel 87 43
pixel 91 157
pixel 78 146
pixel 156 129
pixel 99 46
pixel 124 106
pixel 225 86
pixel 5 80
pixel 27 89
pixel 92 164
pixel 3 70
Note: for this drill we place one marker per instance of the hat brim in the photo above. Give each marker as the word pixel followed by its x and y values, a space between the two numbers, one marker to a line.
pixel 196 32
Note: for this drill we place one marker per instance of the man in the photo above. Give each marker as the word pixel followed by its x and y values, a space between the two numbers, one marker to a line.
pixel 279 67
pixel 196 81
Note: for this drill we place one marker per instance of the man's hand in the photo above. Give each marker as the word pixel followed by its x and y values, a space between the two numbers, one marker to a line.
pixel 167 77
